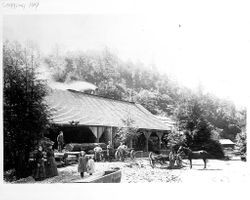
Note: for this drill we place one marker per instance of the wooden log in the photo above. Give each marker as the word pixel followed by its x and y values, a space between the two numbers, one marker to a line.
pixel 112 176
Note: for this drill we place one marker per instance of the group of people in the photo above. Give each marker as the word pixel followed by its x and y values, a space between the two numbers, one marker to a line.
pixel 121 150
pixel 98 152
pixel 175 158
pixel 86 164
pixel 44 164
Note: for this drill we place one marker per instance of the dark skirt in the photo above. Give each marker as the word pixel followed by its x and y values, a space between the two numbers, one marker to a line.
pixel 51 168
pixel 82 164
pixel 39 173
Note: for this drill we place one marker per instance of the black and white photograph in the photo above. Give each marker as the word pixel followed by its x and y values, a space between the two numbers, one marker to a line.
pixel 125 97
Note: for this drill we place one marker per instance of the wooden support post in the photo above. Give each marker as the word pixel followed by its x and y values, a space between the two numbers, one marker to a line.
pixel 147 135
pixel 97 135
pixel 111 135
pixel 159 134
pixel 131 143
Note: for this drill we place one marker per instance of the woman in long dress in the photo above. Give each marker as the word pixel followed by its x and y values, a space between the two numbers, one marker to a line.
pixel 82 164
pixel 51 168
pixel 39 173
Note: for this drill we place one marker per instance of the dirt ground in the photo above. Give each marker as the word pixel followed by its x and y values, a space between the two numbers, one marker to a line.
pixel 139 171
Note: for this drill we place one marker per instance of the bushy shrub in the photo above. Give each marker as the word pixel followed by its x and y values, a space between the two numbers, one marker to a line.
pixel 241 142
pixel 9 175
pixel 214 148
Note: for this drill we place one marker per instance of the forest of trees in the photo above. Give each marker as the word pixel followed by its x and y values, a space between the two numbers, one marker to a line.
pixel 196 112
pixel 134 82
pixel 202 116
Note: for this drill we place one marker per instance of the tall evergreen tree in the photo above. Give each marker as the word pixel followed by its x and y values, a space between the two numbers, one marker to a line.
pixel 198 130
pixel 25 113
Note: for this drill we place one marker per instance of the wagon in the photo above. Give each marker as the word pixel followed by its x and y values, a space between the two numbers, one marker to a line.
pixel 158 158
pixel 115 155
pixel 129 152
pixel 109 176
pixel 66 158
pixel 111 155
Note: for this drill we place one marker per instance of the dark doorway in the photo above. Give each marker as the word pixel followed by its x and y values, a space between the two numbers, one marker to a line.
pixel 153 142
pixel 104 138
pixel 78 134
pixel 73 134
pixel 140 142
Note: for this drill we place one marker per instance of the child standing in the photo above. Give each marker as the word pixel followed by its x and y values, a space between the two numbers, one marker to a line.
pixel 90 166
pixel 82 163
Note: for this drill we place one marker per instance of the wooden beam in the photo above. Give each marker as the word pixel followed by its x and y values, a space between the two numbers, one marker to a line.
pixel 111 135
pixel 97 135
pixel 159 134
pixel 147 135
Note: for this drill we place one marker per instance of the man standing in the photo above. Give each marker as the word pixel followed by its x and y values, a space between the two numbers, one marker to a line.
pixel 60 141
pixel 98 151
pixel 109 151
pixel 172 158
pixel 179 159
pixel 121 151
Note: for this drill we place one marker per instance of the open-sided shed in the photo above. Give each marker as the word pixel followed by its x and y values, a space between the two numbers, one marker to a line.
pixel 91 118
pixel 226 143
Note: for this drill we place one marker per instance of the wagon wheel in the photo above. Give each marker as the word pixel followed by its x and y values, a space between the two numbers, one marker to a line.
pixel 161 162
pixel 132 154
pixel 151 161
pixel 117 155
pixel 152 164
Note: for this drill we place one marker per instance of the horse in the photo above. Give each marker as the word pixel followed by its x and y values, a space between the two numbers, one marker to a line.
pixel 202 154
pixel 157 158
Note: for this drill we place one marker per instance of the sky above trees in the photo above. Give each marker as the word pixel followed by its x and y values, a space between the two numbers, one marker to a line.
pixel 204 47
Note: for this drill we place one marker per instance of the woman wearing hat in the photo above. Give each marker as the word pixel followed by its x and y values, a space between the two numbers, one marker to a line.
pixel 39 173
pixel 51 168
pixel 82 163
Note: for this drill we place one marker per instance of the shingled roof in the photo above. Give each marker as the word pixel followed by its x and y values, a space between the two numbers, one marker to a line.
pixel 91 110
pixel 226 141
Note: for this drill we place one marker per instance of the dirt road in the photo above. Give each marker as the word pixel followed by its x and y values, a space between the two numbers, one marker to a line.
pixel 139 171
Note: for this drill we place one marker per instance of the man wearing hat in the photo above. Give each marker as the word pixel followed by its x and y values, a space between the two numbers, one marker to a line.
pixel 60 141
pixel 109 150
pixel 98 151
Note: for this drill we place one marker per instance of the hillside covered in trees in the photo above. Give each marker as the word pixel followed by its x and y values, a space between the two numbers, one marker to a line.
pixel 157 92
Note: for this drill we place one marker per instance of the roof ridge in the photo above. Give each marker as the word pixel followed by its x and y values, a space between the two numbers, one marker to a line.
pixel 98 96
